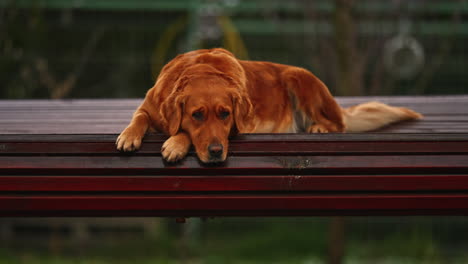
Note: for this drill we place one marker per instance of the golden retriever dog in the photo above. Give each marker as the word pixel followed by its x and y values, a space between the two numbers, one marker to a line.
pixel 204 96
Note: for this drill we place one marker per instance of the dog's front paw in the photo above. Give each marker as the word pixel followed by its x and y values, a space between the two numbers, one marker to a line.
pixel 318 128
pixel 175 148
pixel 128 140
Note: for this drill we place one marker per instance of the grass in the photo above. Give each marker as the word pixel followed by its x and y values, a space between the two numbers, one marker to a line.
pixel 273 240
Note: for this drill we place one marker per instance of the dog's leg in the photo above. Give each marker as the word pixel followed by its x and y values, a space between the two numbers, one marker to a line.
pixel 314 99
pixel 176 147
pixel 130 138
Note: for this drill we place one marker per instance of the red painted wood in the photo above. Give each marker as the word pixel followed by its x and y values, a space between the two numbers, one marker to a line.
pixel 219 205
pixel 234 183
pixel 139 165
pixel 247 148
pixel 61 174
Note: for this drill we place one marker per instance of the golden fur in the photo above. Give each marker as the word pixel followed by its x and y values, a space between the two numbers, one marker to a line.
pixel 204 96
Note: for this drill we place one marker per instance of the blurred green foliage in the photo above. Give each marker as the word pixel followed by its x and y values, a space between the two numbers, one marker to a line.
pixel 271 240
pixel 77 49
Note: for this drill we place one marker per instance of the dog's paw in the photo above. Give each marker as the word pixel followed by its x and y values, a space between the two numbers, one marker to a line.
pixel 128 140
pixel 174 149
pixel 318 128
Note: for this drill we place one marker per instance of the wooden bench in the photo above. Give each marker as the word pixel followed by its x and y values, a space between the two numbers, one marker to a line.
pixel 57 158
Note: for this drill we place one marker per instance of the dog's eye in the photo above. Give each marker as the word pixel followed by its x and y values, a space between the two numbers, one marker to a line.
pixel 198 115
pixel 223 114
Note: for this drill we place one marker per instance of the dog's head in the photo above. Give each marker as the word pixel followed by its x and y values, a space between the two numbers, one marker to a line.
pixel 209 108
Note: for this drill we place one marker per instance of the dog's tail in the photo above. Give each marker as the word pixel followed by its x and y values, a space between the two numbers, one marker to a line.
pixel 374 115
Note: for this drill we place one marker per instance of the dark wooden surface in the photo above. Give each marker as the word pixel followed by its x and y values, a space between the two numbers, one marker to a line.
pixel 58 158
pixel 446 114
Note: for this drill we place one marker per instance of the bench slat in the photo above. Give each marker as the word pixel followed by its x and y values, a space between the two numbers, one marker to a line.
pixel 446 114
pixel 233 205
pixel 147 165
pixel 234 183
pixel 66 171
pixel 246 148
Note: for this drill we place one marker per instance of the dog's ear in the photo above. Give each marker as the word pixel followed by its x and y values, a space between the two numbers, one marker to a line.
pixel 171 112
pixel 243 112
pixel 172 107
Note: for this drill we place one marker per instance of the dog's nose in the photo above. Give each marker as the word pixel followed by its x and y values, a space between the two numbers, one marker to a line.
pixel 215 150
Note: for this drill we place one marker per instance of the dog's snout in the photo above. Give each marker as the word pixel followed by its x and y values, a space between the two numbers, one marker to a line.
pixel 215 150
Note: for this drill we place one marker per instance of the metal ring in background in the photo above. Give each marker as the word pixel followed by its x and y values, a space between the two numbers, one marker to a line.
pixel 403 57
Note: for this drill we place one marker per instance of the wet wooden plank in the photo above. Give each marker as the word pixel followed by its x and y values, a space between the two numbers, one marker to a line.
pixel 73 169
pixel 75 184
pixel 447 114
pixel 257 137
pixel 247 145
pixel 236 165
pixel 209 205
